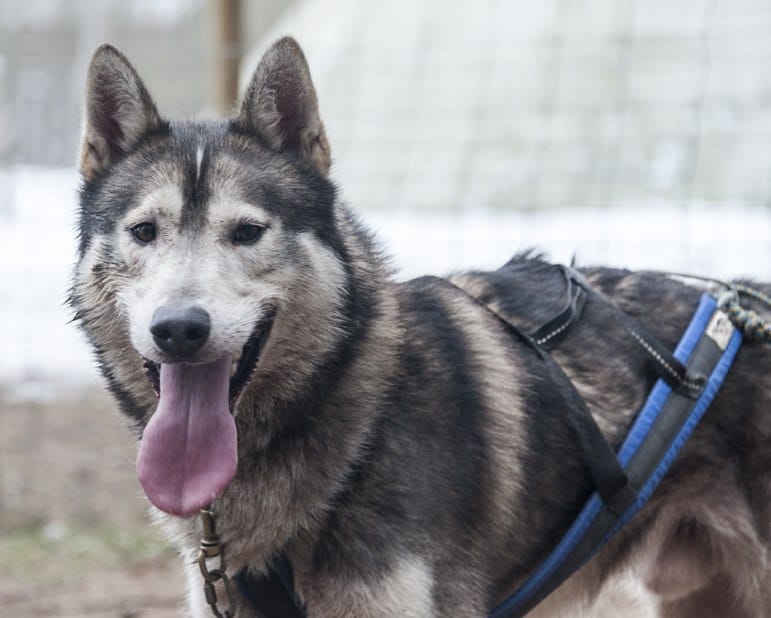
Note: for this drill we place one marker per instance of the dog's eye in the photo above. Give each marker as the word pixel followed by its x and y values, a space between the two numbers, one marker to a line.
pixel 247 233
pixel 144 232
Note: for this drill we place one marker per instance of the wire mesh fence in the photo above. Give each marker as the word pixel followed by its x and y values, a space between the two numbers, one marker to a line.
pixel 453 104
pixel 551 104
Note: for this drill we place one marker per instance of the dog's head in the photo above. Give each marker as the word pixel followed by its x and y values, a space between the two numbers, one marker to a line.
pixel 208 251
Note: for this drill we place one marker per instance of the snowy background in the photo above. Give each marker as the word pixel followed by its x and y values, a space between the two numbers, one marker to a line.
pixel 629 133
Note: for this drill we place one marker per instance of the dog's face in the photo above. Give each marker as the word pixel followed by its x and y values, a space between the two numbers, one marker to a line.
pixel 202 245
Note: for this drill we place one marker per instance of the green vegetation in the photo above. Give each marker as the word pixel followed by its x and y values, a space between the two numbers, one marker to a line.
pixel 55 552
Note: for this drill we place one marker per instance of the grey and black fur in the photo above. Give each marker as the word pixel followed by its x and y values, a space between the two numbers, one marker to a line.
pixel 410 456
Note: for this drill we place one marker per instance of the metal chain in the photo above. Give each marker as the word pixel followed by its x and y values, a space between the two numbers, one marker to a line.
pixel 211 548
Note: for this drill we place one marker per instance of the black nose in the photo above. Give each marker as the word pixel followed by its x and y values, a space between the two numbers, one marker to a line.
pixel 180 331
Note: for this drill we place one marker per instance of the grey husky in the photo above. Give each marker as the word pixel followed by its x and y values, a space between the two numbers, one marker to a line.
pixel 403 450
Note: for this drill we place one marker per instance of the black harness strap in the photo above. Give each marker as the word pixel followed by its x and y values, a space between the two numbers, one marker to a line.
pixel 272 594
pixel 662 361
pixel 550 334
pixel 607 475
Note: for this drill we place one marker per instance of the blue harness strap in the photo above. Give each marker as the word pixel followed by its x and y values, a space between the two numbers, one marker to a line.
pixel 662 427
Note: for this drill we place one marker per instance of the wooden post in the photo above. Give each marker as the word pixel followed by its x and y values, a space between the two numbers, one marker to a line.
pixel 228 54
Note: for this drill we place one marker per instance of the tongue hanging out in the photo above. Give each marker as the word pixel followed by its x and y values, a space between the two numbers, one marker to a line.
pixel 188 453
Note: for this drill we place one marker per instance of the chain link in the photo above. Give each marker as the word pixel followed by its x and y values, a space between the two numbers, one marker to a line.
pixel 211 548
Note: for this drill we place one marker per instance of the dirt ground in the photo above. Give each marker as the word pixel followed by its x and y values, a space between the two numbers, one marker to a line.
pixel 75 539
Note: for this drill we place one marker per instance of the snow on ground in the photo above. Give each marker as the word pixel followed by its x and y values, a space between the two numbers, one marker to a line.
pixel 41 352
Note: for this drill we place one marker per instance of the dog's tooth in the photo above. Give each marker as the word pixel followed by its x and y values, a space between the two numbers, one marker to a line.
pixel 233 367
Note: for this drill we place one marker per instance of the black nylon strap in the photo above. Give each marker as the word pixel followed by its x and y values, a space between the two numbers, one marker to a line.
pixel 273 594
pixel 507 324
pixel 607 475
pixel 550 334
pixel 662 361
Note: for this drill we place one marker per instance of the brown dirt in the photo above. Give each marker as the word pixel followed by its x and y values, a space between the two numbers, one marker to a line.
pixel 75 539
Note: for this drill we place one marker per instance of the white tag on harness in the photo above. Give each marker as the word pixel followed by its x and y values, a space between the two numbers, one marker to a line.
pixel 720 329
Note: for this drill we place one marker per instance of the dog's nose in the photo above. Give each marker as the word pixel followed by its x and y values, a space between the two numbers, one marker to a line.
pixel 180 331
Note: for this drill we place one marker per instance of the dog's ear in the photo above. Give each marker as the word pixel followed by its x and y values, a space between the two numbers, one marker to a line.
pixel 280 104
pixel 119 111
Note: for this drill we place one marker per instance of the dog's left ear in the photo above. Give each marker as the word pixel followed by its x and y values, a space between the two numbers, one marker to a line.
pixel 280 104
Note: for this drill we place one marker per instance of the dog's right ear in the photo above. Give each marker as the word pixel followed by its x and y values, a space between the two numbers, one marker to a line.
pixel 119 111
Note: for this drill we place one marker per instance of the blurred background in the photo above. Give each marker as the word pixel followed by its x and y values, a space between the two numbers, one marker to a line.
pixel 634 133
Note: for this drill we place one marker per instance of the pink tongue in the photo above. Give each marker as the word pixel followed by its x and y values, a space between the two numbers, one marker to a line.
pixel 188 453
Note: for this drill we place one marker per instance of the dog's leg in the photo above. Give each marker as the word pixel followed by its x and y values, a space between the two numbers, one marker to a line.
pixel 588 594
pixel 718 599
pixel 712 562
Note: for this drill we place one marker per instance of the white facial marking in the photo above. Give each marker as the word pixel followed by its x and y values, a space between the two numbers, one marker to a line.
pixel 198 158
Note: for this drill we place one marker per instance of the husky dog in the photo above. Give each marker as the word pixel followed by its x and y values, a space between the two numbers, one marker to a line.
pixel 405 452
